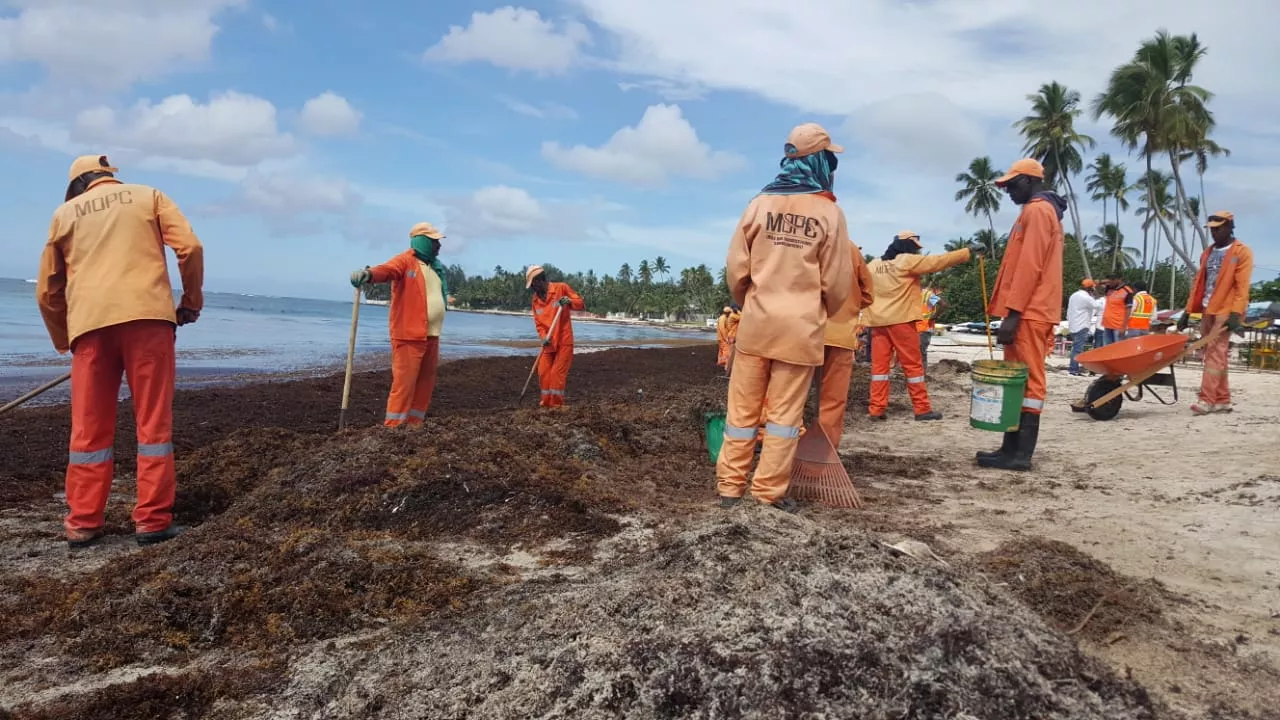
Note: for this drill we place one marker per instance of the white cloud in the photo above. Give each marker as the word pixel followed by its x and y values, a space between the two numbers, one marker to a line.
pixel 494 212
pixel 662 145
pixel 329 114
pixel 515 39
pixel 232 129
pixel 665 89
pixel 94 44
pixel 542 111
pixel 703 242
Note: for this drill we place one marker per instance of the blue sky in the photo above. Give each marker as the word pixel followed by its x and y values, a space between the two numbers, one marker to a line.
pixel 304 139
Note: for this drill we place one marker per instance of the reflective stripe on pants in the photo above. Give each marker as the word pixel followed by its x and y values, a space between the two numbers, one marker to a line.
pixel 1031 343
pixel 904 341
pixel 142 350
pixel 753 381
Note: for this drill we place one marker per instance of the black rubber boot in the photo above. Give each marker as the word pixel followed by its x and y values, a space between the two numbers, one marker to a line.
pixel 1020 460
pixel 787 505
pixel 1008 447
pixel 159 536
pixel 931 415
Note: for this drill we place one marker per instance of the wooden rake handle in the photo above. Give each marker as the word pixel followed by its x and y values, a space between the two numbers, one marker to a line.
pixel 351 356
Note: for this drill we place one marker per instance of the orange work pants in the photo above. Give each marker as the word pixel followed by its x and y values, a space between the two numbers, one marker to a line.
pixel 1217 354
pixel 904 340
pixel 837 371
pixel 142 351
pixel 413 380
pixel 553 375
pixel 1030 345
pixel 722 357
pixel 785 386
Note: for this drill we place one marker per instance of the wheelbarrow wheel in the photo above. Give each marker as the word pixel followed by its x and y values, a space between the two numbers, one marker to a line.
pixel 1097 389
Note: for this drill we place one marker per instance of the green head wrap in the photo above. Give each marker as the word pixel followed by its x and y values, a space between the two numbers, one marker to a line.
pixel 425 249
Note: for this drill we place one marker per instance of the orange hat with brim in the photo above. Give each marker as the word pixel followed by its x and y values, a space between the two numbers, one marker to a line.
pixel 908 235
pixel 1086 283
pixel 426 229
pixel 533 272
pixel 1222 217
pixel 808 139
pixel 1025 166
pixel 90 163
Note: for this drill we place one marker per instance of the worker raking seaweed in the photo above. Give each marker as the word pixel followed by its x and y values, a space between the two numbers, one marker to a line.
pixel 1028 299
pixel 104 292
pixel 552 302
pixel 419 299
pixel 789 268
pixel 1221 293
pixel 840 342
pixel 894 318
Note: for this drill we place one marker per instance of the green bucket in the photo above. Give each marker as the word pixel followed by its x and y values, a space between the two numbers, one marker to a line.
pixel 996 402
pixel 714 434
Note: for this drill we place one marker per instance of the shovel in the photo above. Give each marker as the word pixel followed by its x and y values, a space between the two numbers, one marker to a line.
pixel 817 473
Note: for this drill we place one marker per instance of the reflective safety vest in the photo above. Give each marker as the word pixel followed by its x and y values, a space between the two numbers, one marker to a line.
pixel 1144 308
pixel 926 311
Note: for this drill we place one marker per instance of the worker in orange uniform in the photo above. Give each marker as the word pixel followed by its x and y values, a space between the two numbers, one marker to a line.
pixel 419 298
pixel 1028 298
pixel 840 342
pixel 788 268
pixel 550 298
pixel 931 303
pixel 1141 309
pixel 1115 312
pixel 105 296
pixel 1220 293
pixel 722 336
pixel 894 316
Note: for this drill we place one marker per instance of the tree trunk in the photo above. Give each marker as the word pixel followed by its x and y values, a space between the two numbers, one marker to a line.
pixel 1173 283
pixel 991 241
pixel 1075 213
pixel 1204 203
pixel 1146 225
pixel 1182 199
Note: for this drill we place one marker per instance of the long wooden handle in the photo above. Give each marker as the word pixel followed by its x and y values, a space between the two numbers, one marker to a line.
pixel 986 311
pixel 550 331
pixel 38 391
pixel 351 359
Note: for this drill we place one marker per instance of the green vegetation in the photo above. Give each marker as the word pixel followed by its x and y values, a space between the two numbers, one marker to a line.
pixel 650 291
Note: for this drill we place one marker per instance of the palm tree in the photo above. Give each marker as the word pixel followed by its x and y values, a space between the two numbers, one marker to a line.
pixel 1206 149
pixel 981 192
pixel 1101 171
pixel 1118 184
pixel 1156 110
pixel 624 273
pixel 1052 139
pixel 1159 206
pixel 660 266
pixel 645 273
pixel 1110 241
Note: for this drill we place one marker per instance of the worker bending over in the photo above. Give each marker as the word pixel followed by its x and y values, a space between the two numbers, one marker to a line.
pixel 894 315
pixel 1142 307
pixel 419 298
pixel 1221 293
pixel 840 342
pixel 1028 298
pixel 788 267
pixel 552 299
pixel 104 293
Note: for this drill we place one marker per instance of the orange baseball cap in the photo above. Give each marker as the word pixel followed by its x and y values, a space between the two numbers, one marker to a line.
pixel 908 235
pixel 90 163
pixel 808 139
pixel 533 272
pixel 1025 166
pixel 427 229
pixel 1086 283
pixel 1222 217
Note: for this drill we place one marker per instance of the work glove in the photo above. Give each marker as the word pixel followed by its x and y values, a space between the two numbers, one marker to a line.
pixel 564 301
pixel 1234 324
pixel 1184 321
pixel 978 249
pixel 1008 329
pixel 361 277
pixel 186 316
pixel 546 341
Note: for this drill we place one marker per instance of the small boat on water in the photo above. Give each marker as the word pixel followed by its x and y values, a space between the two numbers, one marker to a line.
pixel 33 281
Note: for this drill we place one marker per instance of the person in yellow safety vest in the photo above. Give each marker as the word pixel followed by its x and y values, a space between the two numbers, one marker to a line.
pixel 931 303
pixel 1142 309
pixel 893 315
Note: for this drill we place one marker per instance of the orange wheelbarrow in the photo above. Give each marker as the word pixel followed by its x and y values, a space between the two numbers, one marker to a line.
pixel 1133 363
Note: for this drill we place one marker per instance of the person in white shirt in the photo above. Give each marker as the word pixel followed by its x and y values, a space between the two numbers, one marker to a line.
pixel 1083 309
